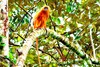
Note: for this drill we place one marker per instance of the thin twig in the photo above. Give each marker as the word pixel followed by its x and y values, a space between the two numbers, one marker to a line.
pixel 94 55
pixel 97 47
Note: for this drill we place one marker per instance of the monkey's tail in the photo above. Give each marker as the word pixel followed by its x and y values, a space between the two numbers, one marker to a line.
pixel 38 52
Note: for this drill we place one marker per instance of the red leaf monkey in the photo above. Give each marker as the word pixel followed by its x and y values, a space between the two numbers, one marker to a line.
pixel 39 21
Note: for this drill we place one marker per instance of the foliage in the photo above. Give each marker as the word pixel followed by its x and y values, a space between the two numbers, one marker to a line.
pixel 70 18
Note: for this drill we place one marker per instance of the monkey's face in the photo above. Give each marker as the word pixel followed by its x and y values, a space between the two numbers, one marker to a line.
pixel 45 8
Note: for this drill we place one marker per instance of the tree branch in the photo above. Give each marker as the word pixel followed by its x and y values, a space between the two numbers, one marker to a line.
pixel 27 45
pixel 94 55
pixel 31 38
pixel 97 47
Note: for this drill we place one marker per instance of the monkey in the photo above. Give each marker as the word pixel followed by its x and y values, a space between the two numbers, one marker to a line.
pixel 39 21
pixel 41 17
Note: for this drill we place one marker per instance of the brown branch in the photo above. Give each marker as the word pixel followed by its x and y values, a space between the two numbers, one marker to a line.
pixel 60 53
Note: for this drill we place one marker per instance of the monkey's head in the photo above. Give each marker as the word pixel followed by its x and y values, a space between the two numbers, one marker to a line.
pixel 46 8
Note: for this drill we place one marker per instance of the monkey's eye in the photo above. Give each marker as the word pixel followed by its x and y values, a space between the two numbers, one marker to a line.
pixel 45 8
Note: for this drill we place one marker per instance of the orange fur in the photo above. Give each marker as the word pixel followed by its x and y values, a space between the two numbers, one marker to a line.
pixel 41 18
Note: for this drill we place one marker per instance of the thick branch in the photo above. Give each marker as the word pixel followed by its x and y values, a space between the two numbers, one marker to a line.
pixel 27 45
pixel 31 38
pixel 74 47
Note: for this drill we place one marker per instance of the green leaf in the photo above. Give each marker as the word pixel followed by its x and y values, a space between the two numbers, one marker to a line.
pixel 78 37
pixel 11 56
pixel 67 35
pixel 19 38
pixel 14 60
pixel 65 52
pixel 3 44
pixel 58 21
pixel 54 65
pixel 50 65
pixel 26 20
pixel 68 8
